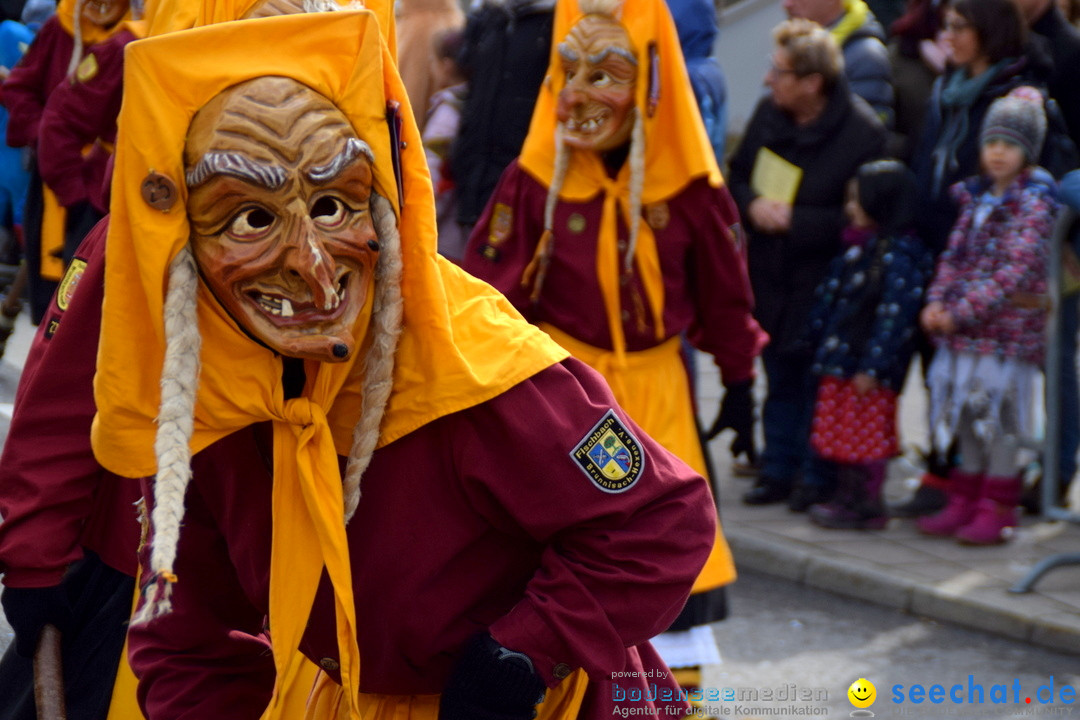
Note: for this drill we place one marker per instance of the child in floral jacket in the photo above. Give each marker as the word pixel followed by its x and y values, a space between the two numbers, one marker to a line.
pixel 986 310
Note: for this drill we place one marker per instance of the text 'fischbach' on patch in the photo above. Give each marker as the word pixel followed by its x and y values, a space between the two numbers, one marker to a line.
pixel 610 455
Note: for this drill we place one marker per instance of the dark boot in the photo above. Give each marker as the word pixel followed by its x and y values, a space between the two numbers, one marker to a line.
pixel 804 496
pixel 767 491
pixel 996 510
pixel 964 490
pixel 858 503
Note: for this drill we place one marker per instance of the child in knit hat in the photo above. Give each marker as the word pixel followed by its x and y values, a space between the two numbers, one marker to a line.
pixel 986 312
pixel 862 328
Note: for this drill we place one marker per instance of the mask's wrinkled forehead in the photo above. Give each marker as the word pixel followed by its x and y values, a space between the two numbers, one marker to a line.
pixel 264 130
pixel 597 37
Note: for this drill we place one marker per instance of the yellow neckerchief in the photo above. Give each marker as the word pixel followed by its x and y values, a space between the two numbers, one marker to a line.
pixel 461 344
pixel 91 34
pixel 855 13
pixel 677 149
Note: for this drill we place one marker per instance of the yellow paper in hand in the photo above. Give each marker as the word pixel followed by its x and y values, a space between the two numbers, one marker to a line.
pixel 774 178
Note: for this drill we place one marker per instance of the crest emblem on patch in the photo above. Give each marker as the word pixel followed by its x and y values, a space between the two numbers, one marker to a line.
pixel 69 283
pixel 87 69
pixel 610 455
pixel 502 219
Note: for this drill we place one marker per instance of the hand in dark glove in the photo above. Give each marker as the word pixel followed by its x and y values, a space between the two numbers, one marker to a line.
pixel 28 610
pixel 737 413
pixel 490 682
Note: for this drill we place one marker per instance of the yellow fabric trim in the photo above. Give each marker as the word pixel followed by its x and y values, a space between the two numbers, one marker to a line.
pixel 139 28
pixel 91 34
pixel 652 388
pixel 461 344
pixel 563 702
pixel 855 13
pixel 53 222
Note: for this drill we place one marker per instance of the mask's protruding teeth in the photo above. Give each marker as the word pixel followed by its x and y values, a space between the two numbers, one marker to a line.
pixel 286 308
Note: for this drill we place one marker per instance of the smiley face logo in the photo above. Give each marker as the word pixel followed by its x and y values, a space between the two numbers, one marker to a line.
pixel 862 693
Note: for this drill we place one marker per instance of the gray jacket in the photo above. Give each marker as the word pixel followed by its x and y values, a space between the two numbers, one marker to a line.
pixel 867 68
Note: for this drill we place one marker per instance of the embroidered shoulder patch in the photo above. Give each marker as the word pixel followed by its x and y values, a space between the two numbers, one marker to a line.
pixel 610 455
pixel 87 69
pixel 69 283
pixel 502 223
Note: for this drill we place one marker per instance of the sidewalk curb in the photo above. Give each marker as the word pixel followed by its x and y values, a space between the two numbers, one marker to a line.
pixel 809 565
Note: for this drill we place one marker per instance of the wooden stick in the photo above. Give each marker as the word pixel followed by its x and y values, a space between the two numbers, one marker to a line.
pixel 49 676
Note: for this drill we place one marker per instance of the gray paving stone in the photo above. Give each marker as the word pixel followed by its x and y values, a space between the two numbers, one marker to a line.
pixel 859 580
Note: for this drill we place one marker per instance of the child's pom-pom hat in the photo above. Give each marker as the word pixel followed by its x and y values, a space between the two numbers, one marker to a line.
pixel 1017 118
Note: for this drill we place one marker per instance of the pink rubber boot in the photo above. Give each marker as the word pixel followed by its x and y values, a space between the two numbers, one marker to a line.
pixel 963 490
pixel 995 510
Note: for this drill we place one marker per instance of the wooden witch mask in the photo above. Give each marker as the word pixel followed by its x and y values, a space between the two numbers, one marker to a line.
pixel 281 228
pixel 600 68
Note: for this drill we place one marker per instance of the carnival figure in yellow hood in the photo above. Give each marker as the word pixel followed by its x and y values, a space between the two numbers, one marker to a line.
pixel 63 48
pixel 70 532
pixel 614 232
pixel 277 332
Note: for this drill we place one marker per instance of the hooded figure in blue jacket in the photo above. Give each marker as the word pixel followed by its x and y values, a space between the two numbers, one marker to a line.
pixel 696 22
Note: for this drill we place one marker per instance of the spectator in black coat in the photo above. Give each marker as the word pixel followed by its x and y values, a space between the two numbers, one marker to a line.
pixel 504 57
pixel 811 126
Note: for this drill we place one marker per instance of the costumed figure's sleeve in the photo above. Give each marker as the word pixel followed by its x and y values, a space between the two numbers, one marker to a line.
pixel 888 351
pixel 208 658
pixel 624 534
pixel 725 327
pixel 1023 246
pixel 52 490
pixel 24 91
pixel 504 239
pixel 78 114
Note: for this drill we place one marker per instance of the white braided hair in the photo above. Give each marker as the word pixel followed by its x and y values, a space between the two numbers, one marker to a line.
pixel 379 362
pixel 637 185
pixel 558 176
pixel 77 49
pixel 176 421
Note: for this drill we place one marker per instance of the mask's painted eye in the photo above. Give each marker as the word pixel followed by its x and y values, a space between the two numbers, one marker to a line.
pixel 251 223
pixel 329 211
pixel 600 78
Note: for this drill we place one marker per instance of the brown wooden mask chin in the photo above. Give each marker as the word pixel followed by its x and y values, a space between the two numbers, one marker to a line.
pixel 281 227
